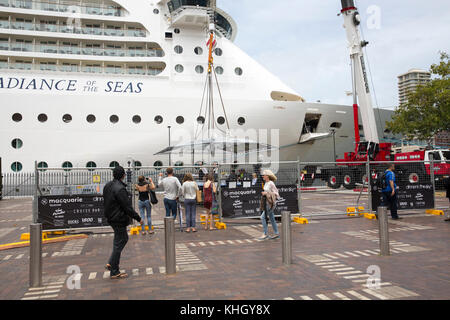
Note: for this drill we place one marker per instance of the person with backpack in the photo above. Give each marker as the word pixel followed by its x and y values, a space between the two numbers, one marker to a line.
pixel 144 187
pixel 118 211
pixel 389 191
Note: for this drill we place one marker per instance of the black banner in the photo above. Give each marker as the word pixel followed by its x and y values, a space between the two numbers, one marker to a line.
pixel 71 212
pixel 245 202
pixel 410 196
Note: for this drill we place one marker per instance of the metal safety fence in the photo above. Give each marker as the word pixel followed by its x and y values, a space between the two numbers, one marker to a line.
pixel 312 189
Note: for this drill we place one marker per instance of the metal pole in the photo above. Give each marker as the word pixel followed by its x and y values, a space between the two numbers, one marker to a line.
pixel 384 231
pixel 369 185
pixel 219 192
pixel 299 194
pixel 35 193
pixel 432 178
pixel 35 255
pixel 169 227
pixel 286 237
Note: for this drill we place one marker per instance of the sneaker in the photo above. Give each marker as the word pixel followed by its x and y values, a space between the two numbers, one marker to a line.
pixel 151 232
pixel 143 233
pixel 264 237
pixel 275 236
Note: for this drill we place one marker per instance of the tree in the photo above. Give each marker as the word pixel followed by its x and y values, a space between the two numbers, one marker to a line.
pixel 427 111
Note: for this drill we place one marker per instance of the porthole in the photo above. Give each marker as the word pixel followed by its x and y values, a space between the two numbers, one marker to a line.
pixel 158 164
pixel 199 69
pixel 179 68
pixel 336 125
pixel 17 117
pixel 200 120
pixel 91 164
pixel 178 49
pixel 17 143
pixel 177 31
pixel 218 52
pixel 16 166
pixel 137 164
pixel 114 164
pixel 220 120
pixel 42 165
pixel 156 11
pixel 42 117
pixel 159 119
pixel 241 121
pixel 198 51
pixel 67 118
pixel 219 70
pixel 67 165
pixel 179 164
pixel 90 118
pixel 180 120
pixel 114 119
pixel 137 119
pixel 238 71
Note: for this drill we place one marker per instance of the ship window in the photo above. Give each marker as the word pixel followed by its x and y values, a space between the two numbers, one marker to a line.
pixel 91 164
pixel 90 118
pixel 114 164
pixel 218 52
pixel 179 68
pixel 238 71
pixel 179 164
pixel 42 165
pixel 200 120
pixel 241 121
pixel 114 119
pixel 177 31
pixel 311 123
pixel 67 165
pixel 180 120
pixel 219 70
pixel 137 119
pixel 16 166
pixel 198 51
pixel 158 164
pixel 199 69
pixel 336 125
pixel 67 118
pixel 137 164
pixel 178 49
pixel 17 117
pixel 220 120
pixel 159 119
pixel 360 127
pixel 156 11
pixel 17 143
pixel 169 35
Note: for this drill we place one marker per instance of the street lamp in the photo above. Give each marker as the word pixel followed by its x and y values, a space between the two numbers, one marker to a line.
pixel 170 152
pixel 333 132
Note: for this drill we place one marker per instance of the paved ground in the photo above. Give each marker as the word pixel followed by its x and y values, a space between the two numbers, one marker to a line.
pixel 331 257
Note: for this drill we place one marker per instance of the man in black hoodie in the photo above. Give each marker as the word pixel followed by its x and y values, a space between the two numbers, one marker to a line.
pixel 118 212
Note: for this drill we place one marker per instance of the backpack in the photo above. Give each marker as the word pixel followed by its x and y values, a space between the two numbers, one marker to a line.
pixel 381 181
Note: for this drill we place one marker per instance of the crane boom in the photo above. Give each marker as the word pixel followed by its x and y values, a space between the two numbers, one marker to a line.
pixel 361 89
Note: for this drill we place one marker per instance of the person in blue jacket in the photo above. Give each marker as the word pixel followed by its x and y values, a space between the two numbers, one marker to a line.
pixel 390 192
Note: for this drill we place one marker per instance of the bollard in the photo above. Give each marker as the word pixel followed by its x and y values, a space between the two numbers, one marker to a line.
pixel 169 227
pixel 286 237
pixel 384 231
pixel 35 255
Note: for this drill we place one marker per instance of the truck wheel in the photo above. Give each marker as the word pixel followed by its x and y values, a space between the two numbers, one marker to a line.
pixel 349 181
pixel 334 181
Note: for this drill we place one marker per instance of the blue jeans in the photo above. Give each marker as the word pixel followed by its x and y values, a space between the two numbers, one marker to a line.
pixel 271 216
pixel 171 206
pixel 190 206
pixel 145 205
pixel 391 202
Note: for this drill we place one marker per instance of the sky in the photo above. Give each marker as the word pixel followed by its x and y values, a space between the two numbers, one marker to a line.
pixel 303 42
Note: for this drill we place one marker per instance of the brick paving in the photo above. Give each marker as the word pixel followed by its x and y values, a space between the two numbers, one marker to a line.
pixel 330 261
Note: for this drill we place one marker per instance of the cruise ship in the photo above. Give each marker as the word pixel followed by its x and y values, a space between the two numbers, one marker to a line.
pixel 87 83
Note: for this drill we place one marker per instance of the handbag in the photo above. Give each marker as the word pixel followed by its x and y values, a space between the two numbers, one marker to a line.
pixel 153 198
